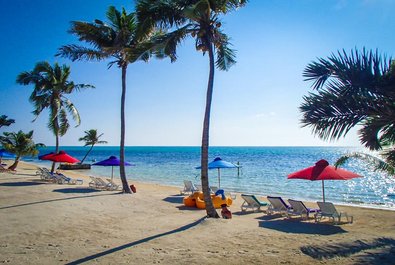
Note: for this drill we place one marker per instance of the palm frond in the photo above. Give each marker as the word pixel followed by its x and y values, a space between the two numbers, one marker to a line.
pixel 75 52
pixel 377 163
pixel 226 56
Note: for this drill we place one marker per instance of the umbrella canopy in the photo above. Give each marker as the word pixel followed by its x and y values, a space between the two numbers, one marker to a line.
pixel 62 156
pixel 323 171
pixel 111 161
pixel 46 156
pixel 219 163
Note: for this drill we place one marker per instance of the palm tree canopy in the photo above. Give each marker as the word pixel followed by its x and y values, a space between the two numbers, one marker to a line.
pixel 198 18
pixel 51 84
pixel 354 89
pixel 91 138
pixel 119 39
pixel 4 121
pixel 19 143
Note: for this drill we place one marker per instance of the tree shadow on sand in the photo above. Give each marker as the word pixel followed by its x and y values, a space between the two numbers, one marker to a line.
pixel 378 251
pixel 134 243
pixel 21 184
pixel 297 227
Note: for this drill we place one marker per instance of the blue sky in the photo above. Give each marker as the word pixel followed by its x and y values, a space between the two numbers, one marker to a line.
pixel 254 104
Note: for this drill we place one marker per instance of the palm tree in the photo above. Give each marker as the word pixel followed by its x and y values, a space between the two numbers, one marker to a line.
pixel 199 19
pixel 355 89
pixel 20 144
pixel 51 85
pixel 121 40
pixel 4 121
pixel 91 138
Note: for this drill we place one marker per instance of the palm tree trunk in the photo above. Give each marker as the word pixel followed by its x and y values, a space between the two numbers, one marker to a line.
pixel 122 173
pixel 13 166
pixel 56 150
pixel 82 161
pixel 211 212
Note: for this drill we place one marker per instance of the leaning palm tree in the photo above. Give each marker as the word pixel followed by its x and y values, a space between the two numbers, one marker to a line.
pixel 4 121
pixel 20 144
pixel 51 85
pixel 199 19
pixel 91 138
pixel 355 89
pixel 121 40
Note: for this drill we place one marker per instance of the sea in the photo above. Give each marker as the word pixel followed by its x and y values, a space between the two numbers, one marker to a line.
pixel 263 171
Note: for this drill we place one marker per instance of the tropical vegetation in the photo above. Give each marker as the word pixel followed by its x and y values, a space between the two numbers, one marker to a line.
pixel 91 138
pixel 4 121
pixel 19 143
pixel 119 39
pixel 199 19
pixel 355 89
pixel 51 85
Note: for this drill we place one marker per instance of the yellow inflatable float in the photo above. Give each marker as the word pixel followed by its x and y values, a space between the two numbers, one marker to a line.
pixel 197 200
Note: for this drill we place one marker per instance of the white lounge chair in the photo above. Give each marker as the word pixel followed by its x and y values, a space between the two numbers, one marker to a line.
pixel 327 209
pixel 277 204
pixel 299 208
pixel 112 185
pixel 251 202
pixel 97 184
pixel 188 187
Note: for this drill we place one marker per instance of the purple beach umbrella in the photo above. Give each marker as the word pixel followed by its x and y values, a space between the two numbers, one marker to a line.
pixel 111 162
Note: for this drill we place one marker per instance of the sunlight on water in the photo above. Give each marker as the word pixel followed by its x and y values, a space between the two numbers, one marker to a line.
pixel 264 171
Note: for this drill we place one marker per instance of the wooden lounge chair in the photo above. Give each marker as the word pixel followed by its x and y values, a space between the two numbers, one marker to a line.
pixel 278 205
pixel 299 208
pixel 251 202
pixel 327 209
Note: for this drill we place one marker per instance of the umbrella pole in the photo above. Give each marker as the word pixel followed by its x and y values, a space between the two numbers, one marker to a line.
pixel 219 179
pixel 323 191
pixel 112 172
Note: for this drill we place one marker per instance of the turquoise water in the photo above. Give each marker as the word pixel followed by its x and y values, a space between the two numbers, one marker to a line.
pixel 264 171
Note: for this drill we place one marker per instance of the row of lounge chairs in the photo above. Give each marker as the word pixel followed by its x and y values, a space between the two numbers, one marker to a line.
pixel 294 208
pixel 57 177
pixel 100 184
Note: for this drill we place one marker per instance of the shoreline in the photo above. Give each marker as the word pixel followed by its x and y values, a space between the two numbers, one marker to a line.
pixel 47 223
pixel 79 172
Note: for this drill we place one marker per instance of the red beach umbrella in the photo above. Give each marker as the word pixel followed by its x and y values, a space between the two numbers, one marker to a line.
pixel 62 156
pixel 46 156
pixel 323 171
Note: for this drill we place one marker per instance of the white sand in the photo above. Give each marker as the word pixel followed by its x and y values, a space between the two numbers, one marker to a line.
pixel 45 223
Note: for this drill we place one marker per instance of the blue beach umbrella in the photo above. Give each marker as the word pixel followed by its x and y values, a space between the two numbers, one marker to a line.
pixel 219 163
pixel 111 161
pixel 5 154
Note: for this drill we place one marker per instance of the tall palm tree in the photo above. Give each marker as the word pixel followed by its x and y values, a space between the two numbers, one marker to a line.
pixel 91 138
pixel 20 144
pixel 51 85
pixel 354 89
pixel 121 40
pixel 199 19
pixel 4 121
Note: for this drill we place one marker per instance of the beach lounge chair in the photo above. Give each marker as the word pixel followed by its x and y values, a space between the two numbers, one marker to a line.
pixel 188 187
pixel 112 185
pixel 62 179
pixel 251 202
pixel 299 208
pixel 97 183
pixel 278 205
pixel 327 209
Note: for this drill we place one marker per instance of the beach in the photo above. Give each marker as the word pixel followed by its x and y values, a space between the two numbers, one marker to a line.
pixel 46 223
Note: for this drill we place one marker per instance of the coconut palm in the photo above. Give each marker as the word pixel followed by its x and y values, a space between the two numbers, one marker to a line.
pixel 355 89
pixel 20 144
pixel 121 40
pixel 91 138
pixel 4 121
pixel 51 85
pixel 201 20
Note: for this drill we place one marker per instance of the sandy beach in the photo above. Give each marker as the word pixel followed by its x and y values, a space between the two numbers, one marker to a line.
pixel 46 223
